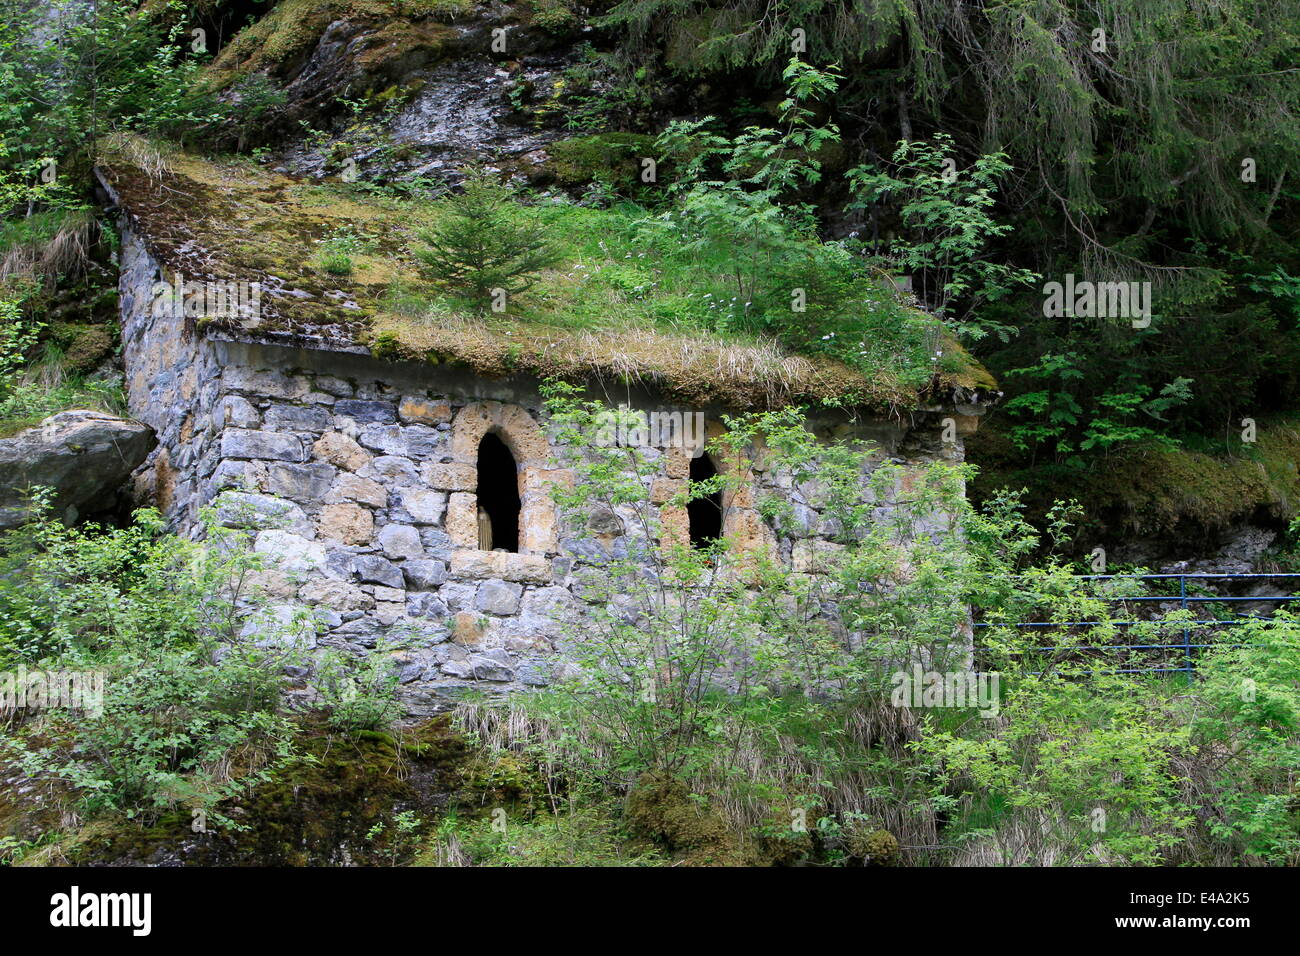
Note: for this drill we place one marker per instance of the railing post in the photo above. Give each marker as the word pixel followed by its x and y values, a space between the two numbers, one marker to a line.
pixel 1187 631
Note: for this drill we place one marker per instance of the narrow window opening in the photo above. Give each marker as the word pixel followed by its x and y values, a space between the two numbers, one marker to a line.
pixel 498 496
pixel 704 514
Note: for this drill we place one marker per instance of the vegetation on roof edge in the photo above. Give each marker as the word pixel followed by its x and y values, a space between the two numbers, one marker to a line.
pixel 634 295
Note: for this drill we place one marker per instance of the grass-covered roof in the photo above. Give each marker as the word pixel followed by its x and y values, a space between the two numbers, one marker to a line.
pixel 615 306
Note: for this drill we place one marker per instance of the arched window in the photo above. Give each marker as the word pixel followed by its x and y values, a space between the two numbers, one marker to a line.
pixel 704 514
pixel 498 496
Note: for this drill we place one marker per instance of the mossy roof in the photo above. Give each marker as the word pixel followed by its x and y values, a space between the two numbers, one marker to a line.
pixel 232 219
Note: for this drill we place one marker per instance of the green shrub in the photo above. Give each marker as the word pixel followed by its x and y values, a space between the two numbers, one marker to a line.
pixel 191 710
pixel 485 241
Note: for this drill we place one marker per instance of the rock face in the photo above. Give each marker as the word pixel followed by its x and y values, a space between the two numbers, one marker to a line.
pixel 84 456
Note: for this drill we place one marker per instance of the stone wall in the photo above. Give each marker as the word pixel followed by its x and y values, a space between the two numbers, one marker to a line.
pixel 357 478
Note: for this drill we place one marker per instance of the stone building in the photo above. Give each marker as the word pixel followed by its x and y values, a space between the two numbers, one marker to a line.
pixel 369 478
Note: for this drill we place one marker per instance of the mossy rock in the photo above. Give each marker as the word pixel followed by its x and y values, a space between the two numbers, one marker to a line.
pixel 872 847
pixel 662 808
pixel 554 16
pixel 84 347
pixel 1175 495
pixel 318 810
pixel 610 158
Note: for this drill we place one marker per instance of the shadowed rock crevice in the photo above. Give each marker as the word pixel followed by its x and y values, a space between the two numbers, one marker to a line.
pixel 83 456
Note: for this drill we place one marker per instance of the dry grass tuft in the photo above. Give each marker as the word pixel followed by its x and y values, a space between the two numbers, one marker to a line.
pixel 695 367
pixel 66 253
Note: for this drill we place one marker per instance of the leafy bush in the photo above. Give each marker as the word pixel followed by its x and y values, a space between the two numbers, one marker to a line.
pixel 191 702
pixel 1249 732
pixel 357 694
pixel 570 836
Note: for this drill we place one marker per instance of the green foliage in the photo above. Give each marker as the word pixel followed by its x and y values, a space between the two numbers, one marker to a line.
pixel 398 839
pixel 1054 418
pixel 18 335
pixel 336 251
pixel 573 835
pixel 191 710
pixel 485 241
pixel 1077 771
pixel 72 80
pixel 1249 730
pixel 947 214
pixel 357 694
pixel 733 206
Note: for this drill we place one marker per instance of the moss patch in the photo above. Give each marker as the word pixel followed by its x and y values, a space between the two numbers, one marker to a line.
pixel 611 158
pixel 662 808
pixel 321 810
pixel 1169 493
pixel 85 347
pixel 282 40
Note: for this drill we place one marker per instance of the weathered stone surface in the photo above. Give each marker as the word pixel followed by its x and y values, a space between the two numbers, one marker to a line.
pixel 424 507
pixel 240 413
pixel 376 570
pixel 392 470
pixel 390 612
pixel 555 603
pixel 336 594
pixel 426 604
pixel 365 631
pixel 331 385
pixel 290 552
pixel 664 489
pixel 472 563
pixel 677 463
pixel 400 541
pixel 237 474
pixel 341 451
pixel 240 509
pixel 281 625
pixel 525 568
pixel 300 482
pixel 266 383
pixel 490 666
pixel 814 556
pixel 462 519
pixel 350 487
pixel 302 418
pixel 424 575
pixel 437 543
pixel 346 522
pixel 498 597
pixel 468 629
pixel 419 411
pixel 407 441
pixel 244 443
pixel 84 456
pixel 367 412
pixel 539 532
pixel 459 595
pixel 603 521
pixel 450 476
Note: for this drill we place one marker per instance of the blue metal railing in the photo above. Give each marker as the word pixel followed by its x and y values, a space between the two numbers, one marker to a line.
pixel 1185 602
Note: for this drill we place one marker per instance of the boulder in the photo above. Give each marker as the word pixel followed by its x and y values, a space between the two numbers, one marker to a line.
pixel 84 456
